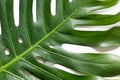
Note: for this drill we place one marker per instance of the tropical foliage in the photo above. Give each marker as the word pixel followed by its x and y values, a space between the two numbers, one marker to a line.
pixel 33 50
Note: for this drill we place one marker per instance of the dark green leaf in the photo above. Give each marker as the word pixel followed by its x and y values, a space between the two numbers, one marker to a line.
pixel 33 50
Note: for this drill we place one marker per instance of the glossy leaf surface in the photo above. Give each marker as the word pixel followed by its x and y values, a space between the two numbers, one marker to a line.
pixel 33 50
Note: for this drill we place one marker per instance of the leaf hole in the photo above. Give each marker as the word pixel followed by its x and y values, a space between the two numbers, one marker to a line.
pixel 92 28
pixel 63 68
pixel 53 7
pixel 26 73
pixel 40 60
pixel 7 51
pixel 95 28
pixel 16 12
pixel 20 40
pixel 0 28
pixel 109 11
pixel 77 48
pixel 51 46
pixel 34 11
pixel 70 0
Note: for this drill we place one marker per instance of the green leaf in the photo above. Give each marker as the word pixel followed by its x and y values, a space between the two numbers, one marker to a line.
pixel 40 55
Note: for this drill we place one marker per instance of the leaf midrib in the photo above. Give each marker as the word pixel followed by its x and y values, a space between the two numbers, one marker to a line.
pixel 36 44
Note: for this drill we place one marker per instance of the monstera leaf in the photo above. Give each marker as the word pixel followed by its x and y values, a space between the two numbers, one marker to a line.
pixel 33 50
